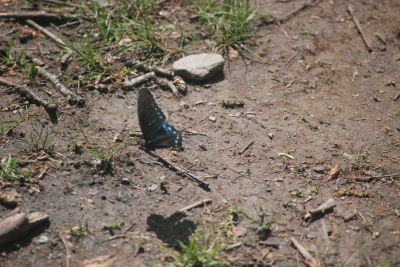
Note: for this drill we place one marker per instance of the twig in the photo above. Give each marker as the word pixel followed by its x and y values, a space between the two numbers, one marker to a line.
pixel 159 71
pixel 30 15
pixel 67 251
pixel 167 84
pixel 297 10
pixel 397 96
pixel 73 98
pixel 199 203
pixel 371 178
pixel 310 260
pixel 195 133
pixel 246 147
pixel 129 84
pixel 51 109
pixel 320 210
pixel 203 184
pixel 49 34
pixel 43 172
pixel 115 237
pixel 285 155
pixel 358 26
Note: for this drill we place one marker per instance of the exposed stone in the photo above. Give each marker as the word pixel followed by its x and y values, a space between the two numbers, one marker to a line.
pixel 199 67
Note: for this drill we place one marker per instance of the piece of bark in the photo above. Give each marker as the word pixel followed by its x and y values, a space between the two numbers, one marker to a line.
pixel 19 225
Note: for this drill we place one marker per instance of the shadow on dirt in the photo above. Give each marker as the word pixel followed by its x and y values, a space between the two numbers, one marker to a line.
pixel 171 229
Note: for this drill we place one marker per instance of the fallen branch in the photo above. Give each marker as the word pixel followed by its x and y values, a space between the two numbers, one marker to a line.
pixel 30 15
pixel 73 98
pixel 203 184
pixel 297 11
pixel 200 203
pixel 129 84
pixel 372 178
pixel 166 84
pixel 310 260
pixel 358 26
pixel 51 109
pixel 320 210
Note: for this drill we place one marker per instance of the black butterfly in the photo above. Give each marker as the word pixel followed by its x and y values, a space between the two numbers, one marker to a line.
pixel 157 132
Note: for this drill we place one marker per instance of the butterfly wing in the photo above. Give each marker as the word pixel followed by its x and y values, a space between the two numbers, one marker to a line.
pixel 157 132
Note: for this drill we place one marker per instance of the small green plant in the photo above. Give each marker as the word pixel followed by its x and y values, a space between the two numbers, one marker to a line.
pixel 203 250
pixel 78 231
pixel 5 129
pixel 290 203
pixel 12 56
pixel 40 139
pixel 262 225
pixel 312 190
pixel 359 159
pixel 231 218
pixel 9 170
pixel 77 148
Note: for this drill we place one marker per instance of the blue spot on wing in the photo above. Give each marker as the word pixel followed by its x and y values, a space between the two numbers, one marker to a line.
pixel 157 132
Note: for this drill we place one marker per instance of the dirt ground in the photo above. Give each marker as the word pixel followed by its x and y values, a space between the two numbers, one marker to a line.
pixel 314 93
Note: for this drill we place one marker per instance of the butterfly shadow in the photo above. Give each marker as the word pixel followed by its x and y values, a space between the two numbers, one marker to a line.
pixel 172 229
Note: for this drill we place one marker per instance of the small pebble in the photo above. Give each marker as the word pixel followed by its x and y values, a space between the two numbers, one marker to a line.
pixel 319 169
pixel 43 239
pixel 125 181
pixel 212 118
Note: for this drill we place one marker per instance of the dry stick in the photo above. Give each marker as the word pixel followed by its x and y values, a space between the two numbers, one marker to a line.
pixel 322 209
pixel 310 260
pixel 159 71
pixel 298 10
pixel 67 252
pixel 129 84
pixel 48 34
pixel 196 204
pixel 358 26
pixel 66 58
pixel 397 96
pixel 166 84
pixel 73 98
pixel 246 147
pixel 30 15
pixel 51 109
pixel 203 184
pixel 371 178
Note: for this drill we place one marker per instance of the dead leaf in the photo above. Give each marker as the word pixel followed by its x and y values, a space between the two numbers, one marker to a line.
pixel 233 54
pixel 334 172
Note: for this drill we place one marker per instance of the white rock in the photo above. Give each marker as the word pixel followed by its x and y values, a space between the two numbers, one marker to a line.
pixel 199 67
